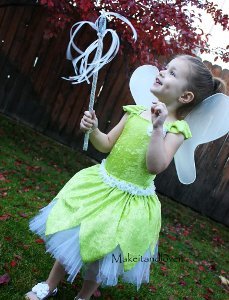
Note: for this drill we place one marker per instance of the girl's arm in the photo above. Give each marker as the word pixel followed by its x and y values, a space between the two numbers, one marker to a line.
pixel 161 150
pixel 101 141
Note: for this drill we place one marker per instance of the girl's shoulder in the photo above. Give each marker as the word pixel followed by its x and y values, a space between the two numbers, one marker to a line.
pixel 179 126
pixel 134 109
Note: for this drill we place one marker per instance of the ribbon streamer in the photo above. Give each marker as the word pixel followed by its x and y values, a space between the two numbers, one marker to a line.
pixel 83 69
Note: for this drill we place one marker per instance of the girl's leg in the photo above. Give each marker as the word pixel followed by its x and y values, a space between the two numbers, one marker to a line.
pixel 87 290
pixel 55 276
pixel 89 285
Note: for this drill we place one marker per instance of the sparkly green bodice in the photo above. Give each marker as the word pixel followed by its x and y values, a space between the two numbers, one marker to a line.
pixel 127 160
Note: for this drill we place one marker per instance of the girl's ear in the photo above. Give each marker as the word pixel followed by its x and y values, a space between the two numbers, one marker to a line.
pixel 186 97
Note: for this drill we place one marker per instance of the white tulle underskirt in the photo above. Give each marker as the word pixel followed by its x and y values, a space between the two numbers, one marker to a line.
pixel 64 246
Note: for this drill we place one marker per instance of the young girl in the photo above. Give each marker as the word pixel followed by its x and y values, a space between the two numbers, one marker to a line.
pixel 106 220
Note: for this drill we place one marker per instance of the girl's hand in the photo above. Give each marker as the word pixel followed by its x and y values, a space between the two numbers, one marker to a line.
pixel 159 113
pixel 89 122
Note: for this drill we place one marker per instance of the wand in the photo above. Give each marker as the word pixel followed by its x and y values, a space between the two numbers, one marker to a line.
pixel 86 69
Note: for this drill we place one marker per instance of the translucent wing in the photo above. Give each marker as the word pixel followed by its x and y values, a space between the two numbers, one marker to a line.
pixel 208 121
pixel 141 81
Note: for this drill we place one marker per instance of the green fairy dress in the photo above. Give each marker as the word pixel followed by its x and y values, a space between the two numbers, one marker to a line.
pixel 113 204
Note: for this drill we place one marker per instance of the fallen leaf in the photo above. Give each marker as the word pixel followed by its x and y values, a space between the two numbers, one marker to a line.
pixel 171 237
pixel 224 280
pixel 23 215
pixel 217 240
pixel 18 257
pixel 201 268
pixel 13 263
pixel 152 288
pixel 39 241
pixel 17 162
pixel 2 177
pixel 26 246
pixel 207 297
pixel 210 290
pixel 5 217
pixel 215 229
pixel 4 279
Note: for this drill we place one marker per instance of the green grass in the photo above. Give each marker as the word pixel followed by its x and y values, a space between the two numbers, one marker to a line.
pixel 33 169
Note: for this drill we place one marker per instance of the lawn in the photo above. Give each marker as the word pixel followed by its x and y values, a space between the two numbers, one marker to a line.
pixel 193 248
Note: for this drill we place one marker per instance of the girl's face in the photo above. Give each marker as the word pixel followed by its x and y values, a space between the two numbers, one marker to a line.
pixel 172 82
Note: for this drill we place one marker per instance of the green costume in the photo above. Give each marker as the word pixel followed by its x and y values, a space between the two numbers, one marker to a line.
pixel 114 203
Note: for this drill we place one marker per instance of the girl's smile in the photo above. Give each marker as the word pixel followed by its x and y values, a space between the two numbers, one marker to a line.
pixel 172 81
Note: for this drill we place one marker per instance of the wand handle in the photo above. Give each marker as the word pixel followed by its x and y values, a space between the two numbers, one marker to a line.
pixel 102 26
pixel 86 140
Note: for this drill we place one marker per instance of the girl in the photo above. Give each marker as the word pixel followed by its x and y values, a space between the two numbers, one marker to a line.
pixel 106 220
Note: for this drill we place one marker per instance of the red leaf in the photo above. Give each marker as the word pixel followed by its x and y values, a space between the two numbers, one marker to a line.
pixel 4 279
pixel 23 215
pixel 18 162
pixel 171 237
pixel 201 268
pixel 39 241
pixel 182 283
pixel 152 288
pixel 207 297
pixel 13 263
pixel 2 178
pixel 26 246
pixel 5 217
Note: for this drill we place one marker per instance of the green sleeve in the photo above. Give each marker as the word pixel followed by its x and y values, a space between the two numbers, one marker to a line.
pixel 135 109
pixel 179 126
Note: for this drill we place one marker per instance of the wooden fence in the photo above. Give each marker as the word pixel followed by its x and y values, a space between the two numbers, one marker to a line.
pixel 32 91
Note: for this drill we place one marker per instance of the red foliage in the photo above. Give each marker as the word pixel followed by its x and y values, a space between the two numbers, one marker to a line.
pixel 164 28
pixel 4 279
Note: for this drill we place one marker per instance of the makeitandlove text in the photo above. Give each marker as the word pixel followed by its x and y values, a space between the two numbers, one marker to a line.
pixel 161 257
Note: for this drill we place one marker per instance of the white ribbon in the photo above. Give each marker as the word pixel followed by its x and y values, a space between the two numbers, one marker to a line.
pixel 83 69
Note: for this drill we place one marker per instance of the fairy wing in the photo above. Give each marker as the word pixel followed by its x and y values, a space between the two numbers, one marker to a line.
pixel 141 81
pixel 208 121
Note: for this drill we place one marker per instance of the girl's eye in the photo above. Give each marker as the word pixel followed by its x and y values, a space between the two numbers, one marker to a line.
pixel 172 73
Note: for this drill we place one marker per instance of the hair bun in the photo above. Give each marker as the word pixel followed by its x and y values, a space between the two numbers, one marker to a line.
pixel 219 85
